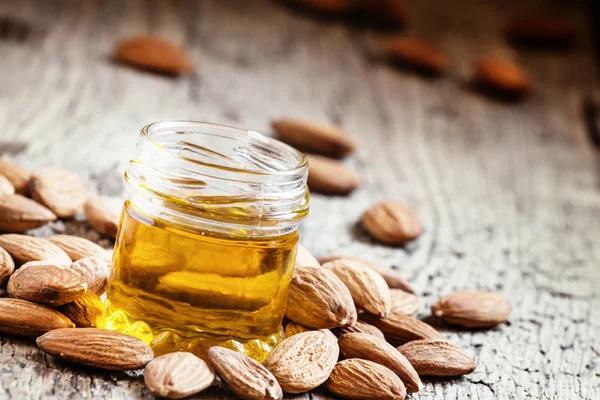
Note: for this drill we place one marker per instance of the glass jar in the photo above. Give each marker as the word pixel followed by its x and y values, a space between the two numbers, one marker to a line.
pixel 208 237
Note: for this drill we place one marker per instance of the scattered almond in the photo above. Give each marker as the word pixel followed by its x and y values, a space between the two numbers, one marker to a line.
pixel 358 379
pixel 19 214
pixel 293 328
pixel 103 214
pixel 60 190
pixel 541 31
pixel 359 327
pixel 401 328
pixel 87 311
pixel 473 309
pixel 24 249
pixel 177 375
pixel 77 247
pixel 392 223
pixel 381 13
pixel 417 53
pixel 7 266
pixel 404 302
pixel 17 175
pixel 502 76
pixel 94 271
pixel 155 54
pixel 23 318
pixel 6 187
pixel 305 259
pixel 304 361
pixel 330 177
pixel 99 348
pixel 246 377
pixel 437 358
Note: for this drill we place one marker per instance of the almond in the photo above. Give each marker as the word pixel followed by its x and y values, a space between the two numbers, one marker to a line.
pixel 381 13
pixel 361 379
pixel 393 278
pixel 359 327
pixel 97 348
pixel 60 190
pixel 330 177
pixel 17 175
pixel 368 289
pixel 24 249
pixel 369 347
pixel 46 284
pixel 502 77
pixel 417 53
pixel 246 377
pixel 473 309
pixel 305 259
pixel 401 328
pixel 7 266
pixel 315 137
pixel 87 311
pixel 23 318
pixel 6 187
pixel 155 54
pixel 78 247
pixel 177 375
pixel 19 214
pixel 392 223
pixel 319 299
pixel 293 328
pixel 541 31
pixel 103 214
pixel 404 302
pixel 437 358
pixel 304 361
pixel 94 271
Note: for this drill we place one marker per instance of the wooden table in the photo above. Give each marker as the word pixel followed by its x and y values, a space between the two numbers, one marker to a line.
pixel 508 193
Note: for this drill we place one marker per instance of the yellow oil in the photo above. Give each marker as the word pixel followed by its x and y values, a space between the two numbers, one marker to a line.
pixel 186 290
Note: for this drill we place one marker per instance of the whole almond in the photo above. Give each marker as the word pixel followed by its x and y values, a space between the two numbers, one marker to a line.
pixel 368 289
pixel 24 249
pixel 7 266
pixel 17 175
pixel 392 223
pixel 103 214
pixel 330 177
pixel 381 13
pixel 305 259
pixel 359 327
pixel 87 311
pixel 417 53
pixel 358 379
pixel 46 284
pixel 60 190
pixel 99 348
pixel 246 377
pixel 393 278
pixel 304 361
pixel 94 271
pixel 23 318
pixel 155 54
pixel 473 309
pixel 437 358
pixel 319 299
pixel 502 76
pixel 177 375
pixel 541 31
pixel 369 347
pixel 315 137
pixel 19 214
pixel 6 187
pixel 292 328
pixel 401 328
pixel 404 302
pixel 78 247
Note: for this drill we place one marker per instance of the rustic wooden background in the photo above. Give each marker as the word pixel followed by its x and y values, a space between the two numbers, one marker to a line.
pixel 508 193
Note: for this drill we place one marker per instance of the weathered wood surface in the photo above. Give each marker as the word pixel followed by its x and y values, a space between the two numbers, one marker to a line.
pixel 508 193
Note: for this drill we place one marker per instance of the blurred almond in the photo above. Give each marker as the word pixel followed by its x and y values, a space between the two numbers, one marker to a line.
pixel 392 223
pixel 7 266
pixel 502 77
pixel 305 259
pixel 177 375
pixel 404 302
pixel 103 214
pixel 417 53
pixel 437 358
pixel 330 177
pixel 17 175
pixel 62 191
pixel 78 247
pixel 540 30
pixel 401 328
pixel 87 311
pixel 94 271
pixel 19 214
pixel 155 54
pixel 473 309
pixel 6 187
pixel 359 327
pixel 23 318
pixel 24 249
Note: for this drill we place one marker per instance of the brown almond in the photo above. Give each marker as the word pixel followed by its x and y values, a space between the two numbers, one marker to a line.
pixel 368 289
pixel 7 266
pixel 78 247
pixel 417 53
pixel 87 311
pixel 155 54
pixel 6 187
pixel 315 137
pixel 305 259
pixel 541 31
pixel 369 347
pixel 46 284
pixel 19 214
pixel 94 271
pixel 404 302
pixel 60 190
pixel 177 375
pixel 359 327
pixel 401 328
pixel 293 328
pixel 381 13
pixel 358 379
pixel 17 175
pixel 473 309
pixel 330 177
pixel 392 223
pixel 304 361
pixel 437 358
pixel 99 348
pixel 393 278
pixel 103 214
pixel 246 377
pixel 502 76
pixel 319 299
pixel 23 318
pixel 24 249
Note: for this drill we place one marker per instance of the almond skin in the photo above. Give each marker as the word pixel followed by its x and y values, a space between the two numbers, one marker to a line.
pixel 392 223
pixel 19 214
pixel 6 187
pixel 177 375
pixel 17 175
pixel 94 271
pixel 502 77
pixel 359 327
pixel 99 348
pixel 401 328
pixel 305 259
pixel 88 311
pixel 23 318
pixel 404 302
pixel 416 52
pixel 78 247
pixel 358 379
pixel 327 140
pixel 319 299
pixel 154 54
pixel 24 249
pixel 437 358
pixel 7 266
pixel 62 191
pixel 330 177
pixel 541 31
pixel 246 377
pixel 473 309
pixel 103 214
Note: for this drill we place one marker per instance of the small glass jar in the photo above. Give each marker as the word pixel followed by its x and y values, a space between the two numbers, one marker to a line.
pixel 208 238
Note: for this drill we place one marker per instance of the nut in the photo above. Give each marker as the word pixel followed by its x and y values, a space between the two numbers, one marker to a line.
pixel 417 53
pixel 330 177
pixel 437 358
pixel 23 318
pixel 24 249
pixel 502 77
pixel 401 328
pixel 7 266
pixel 19 214
pixel 87 311
pixel 177 375
pixel 60 190
pixel 473 309
pixel 78 247
pixel 103 214
pixel 392 223
pixel 94 271
pixel 17 175
pixel 404 302
pixel 154 54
